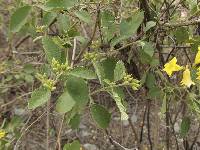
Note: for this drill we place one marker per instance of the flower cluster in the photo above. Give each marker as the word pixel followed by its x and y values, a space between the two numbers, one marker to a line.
pixel 2 133
pixel 172 67
pixel 48 83
pixel 91 56
pixel 3 67
pixel 129 80
pixel 59 68
pixel 40 29
pixel 95 44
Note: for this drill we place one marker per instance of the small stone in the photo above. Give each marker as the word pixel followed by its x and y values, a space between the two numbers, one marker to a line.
pixel 133 118
pixel 90 147
pixel 176 127
pixel 125 123
pixel 85 133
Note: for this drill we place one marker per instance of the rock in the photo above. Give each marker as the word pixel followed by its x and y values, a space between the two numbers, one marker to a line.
pixel 133 118
pixel 176 127
pixel 90 147
pixel 125 123
pixel 84 133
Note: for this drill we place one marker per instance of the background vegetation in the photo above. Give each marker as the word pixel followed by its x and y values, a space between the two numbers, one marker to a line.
pixel 88 74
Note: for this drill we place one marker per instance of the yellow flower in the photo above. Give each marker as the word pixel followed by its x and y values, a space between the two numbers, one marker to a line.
pixel 187 81
pixel 2 134
pixel 198 74
pixel 197 58
pixel 171 67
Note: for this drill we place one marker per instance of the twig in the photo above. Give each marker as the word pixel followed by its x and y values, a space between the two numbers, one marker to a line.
pixel 125 46
pixel 142 128
pixel 196 138
pixel 173 49
pixel 173 131
pixel 22 41
pixel 25 130
pixel 47 125
pixel 59 133
pixel 91 39
pixel 115 143
pixel 148 124
pixel 166 9
pixel 13 101
pixel 187 56
pixel 73 53
pixel 134 130
pixel 167 125
pixel 15 147
pixel 180 24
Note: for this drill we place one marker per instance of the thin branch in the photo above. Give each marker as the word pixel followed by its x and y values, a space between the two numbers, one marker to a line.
pixel 115 143
pixel 25 130
pixel 91 39
pixel 148 125
pixel 196 138
pixel 143 120
pixel 13 101
pixel 22 41
pixel 59 134
pixel 73 53
pixel 173 131
pixel 167 126
pixel 180 24
pixel 47 124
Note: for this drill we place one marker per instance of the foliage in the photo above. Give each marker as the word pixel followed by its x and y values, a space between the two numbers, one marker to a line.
pixel 128 47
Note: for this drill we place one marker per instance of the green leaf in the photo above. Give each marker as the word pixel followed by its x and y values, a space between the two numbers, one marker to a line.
pixel 148 48
pixel 75 145
pixel 75 121
pixel 154 92
pixel 109 27
pixel 181 34
pixel 83 72
pixel 149 25
pixel 185 126
pixel 107 18
pixel 108 68
pixel 150 80
pixel 144 57
pixel 99 71
pixel 65 102
pixel 78 90
pixel 118 39
pixel 59 4
pixel 14 123
pixel 63 23
pixel 100 115
pixel 39 97
pixel 105 69
pixel 19 18
pixel 119 102
pixel 28 68
pixel 84 16
pixel 129 26
pixel 164 105
pixel 119 71
pixel 51 49
pixel 154 62
pixel 48 18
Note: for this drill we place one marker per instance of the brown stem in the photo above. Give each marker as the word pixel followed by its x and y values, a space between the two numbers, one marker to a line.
pixel 47 125
pixel 91 39
pixel 59 134
pixel 142 125
pixel 148 124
